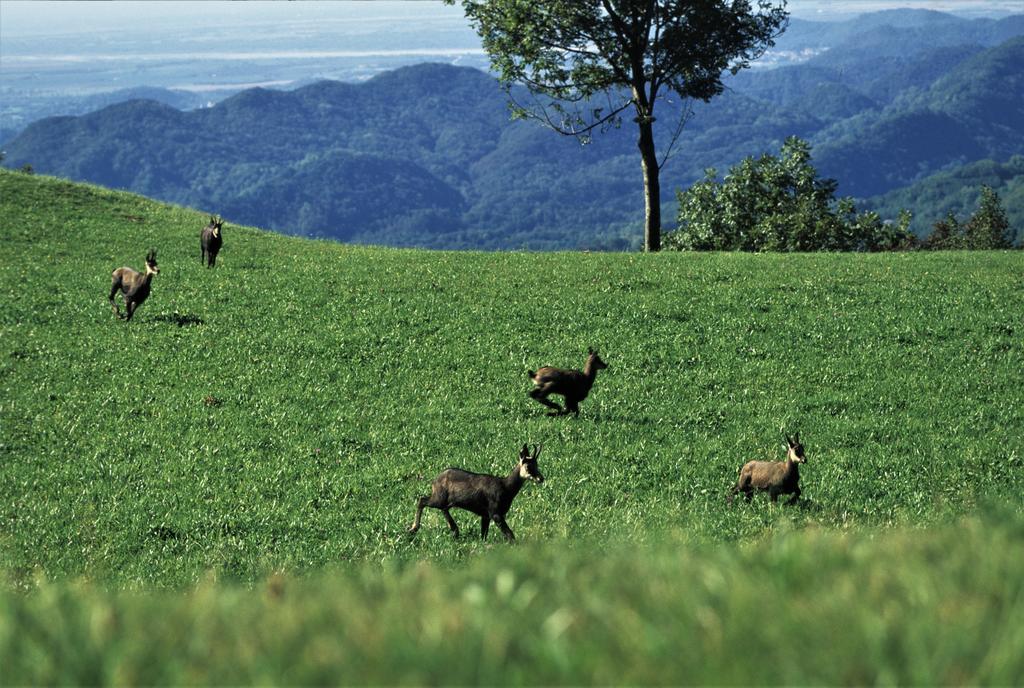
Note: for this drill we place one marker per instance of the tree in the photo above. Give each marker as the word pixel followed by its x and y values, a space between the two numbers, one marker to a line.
pixel 586 62
pixel 779 204
pixel 989 227
pixel 946 234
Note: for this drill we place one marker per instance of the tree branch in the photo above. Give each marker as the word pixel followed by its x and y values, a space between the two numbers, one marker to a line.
pixel 540 112
pixel 685 116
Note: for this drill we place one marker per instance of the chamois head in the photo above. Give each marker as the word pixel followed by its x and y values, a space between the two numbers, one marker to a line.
pixel 528 464
pixel 151 266
pixel 594 361
pixel 796 450
pixel 216 223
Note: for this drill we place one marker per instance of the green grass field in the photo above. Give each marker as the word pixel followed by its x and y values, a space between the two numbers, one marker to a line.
pixel 277 417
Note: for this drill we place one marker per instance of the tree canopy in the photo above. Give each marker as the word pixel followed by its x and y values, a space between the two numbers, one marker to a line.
pixel 584 63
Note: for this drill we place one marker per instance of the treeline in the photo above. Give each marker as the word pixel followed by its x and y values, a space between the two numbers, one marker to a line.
pixel 957 191
pixel 986 229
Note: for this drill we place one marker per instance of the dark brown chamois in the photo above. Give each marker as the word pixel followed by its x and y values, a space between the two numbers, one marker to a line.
pixel 134 285
pixel 210 241
pixel 487 496
pixel 775 477
pixel 574 385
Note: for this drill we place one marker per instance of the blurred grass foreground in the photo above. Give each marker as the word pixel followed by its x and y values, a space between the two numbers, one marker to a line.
pixel 905 606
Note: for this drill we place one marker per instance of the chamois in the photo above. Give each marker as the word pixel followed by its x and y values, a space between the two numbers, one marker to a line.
pixel 775 477
pixel 574 385
pixel 134 285
pixel 487 496
pixel 210 241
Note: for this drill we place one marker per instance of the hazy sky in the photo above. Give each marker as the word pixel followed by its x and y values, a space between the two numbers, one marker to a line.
pixel 813 9
pixel 21 17
pixel 93 46
pixel 27 17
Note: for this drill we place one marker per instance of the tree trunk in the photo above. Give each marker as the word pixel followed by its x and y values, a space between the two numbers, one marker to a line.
pixel 652 185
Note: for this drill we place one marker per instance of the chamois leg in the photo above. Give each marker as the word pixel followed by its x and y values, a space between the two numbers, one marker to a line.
pixel 130 308
pixel 732 493
pixel 485 524
pixel 213 259
pixel 541 395
pixel 452 525
pixel 202 254
pixel 748 493
pixel 742 485
pixel 113 291
pixel 795 497
pixel 420 504
pixel 572 406
pixel 499 520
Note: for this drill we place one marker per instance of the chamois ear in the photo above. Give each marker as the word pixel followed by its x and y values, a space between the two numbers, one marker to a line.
pixel 590 351
pixel 789 441
pixel 524 453
pixel 151 256
pixel 796 439
pixel 536 450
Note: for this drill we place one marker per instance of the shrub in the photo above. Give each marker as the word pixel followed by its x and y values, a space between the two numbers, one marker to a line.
pixel 779 204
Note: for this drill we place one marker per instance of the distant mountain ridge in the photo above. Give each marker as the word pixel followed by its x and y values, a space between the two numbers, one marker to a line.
pixel 427 156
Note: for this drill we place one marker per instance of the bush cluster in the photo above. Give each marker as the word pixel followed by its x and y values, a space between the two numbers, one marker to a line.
pixel 779 204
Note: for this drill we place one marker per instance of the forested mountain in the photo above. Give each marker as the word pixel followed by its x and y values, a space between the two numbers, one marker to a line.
pixel 876 55
pixel 17 107
pixel 974 112
pixel 427 155
pixel 423 155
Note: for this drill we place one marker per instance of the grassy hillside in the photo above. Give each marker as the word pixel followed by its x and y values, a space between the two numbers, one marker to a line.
pixel 280 414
